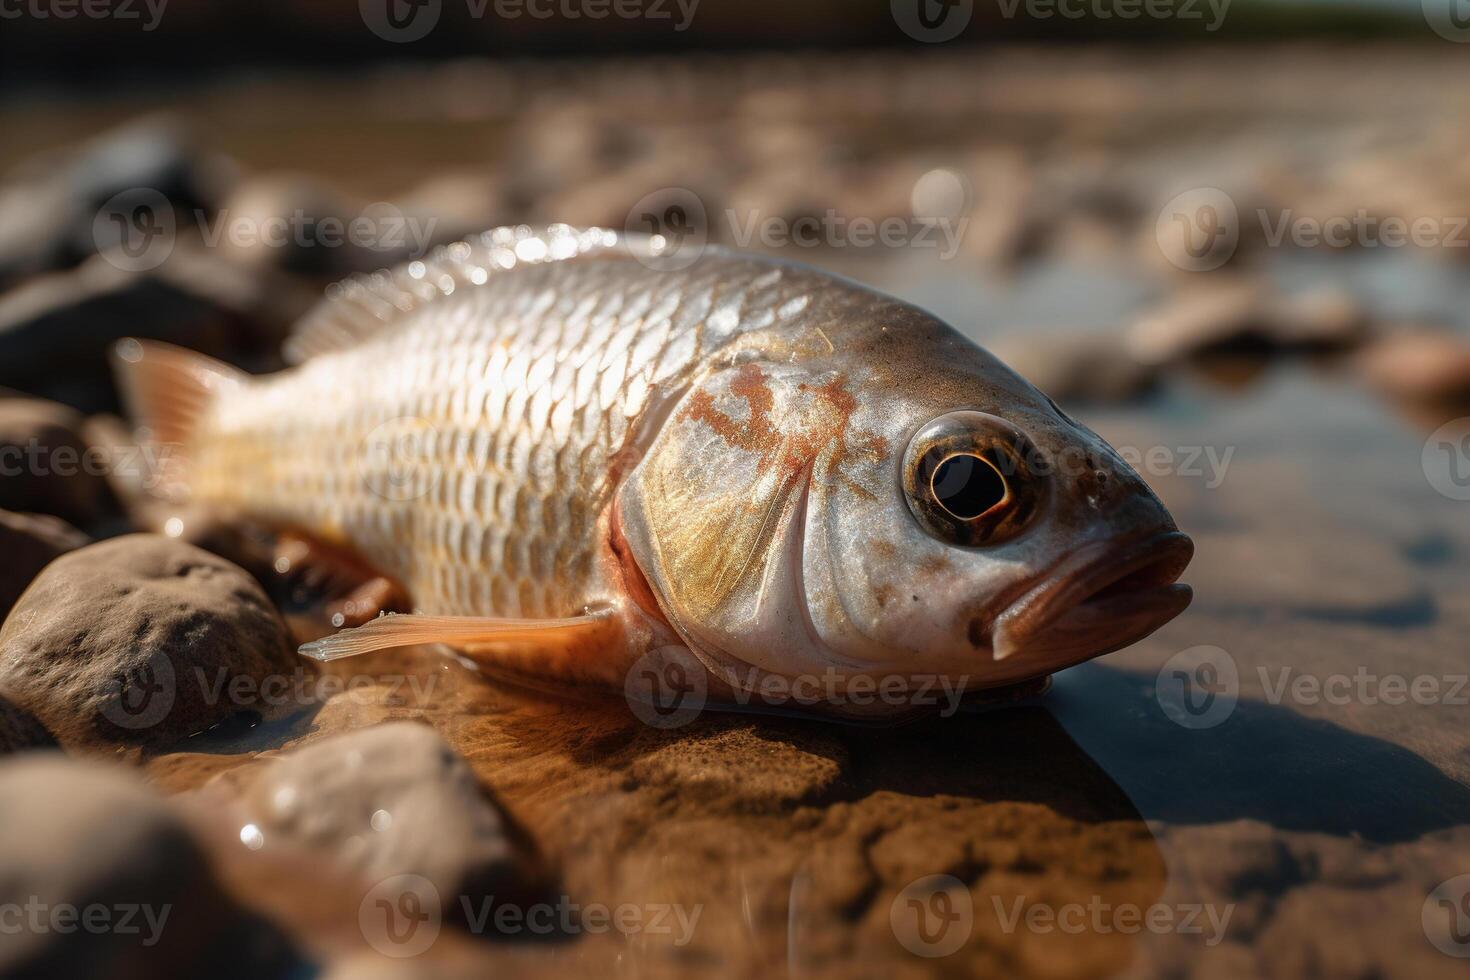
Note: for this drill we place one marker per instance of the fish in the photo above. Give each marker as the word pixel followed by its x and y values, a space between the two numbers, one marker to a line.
pixel 577 448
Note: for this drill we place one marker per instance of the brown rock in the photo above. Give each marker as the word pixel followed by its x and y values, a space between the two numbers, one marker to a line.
pixel 302 225
pixel 140 640
pixel 45 464
pixel 30 542
pixel 390 800
pixel 1420 365
pixel 111 883
pixel 1078 366
pixel 1243 316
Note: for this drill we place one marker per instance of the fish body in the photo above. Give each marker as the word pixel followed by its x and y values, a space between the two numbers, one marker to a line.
pixel 734 454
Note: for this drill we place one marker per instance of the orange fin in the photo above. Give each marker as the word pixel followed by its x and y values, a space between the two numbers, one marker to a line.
pixel 554 639
pixel 166 390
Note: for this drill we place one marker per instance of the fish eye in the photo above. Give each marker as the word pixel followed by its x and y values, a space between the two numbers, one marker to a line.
pixel 968 479
pixel 967 486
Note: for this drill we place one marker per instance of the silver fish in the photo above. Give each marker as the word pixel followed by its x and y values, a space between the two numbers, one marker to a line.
pixel 570 453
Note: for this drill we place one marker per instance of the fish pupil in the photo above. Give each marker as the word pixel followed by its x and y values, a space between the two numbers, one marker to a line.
pixel 967 486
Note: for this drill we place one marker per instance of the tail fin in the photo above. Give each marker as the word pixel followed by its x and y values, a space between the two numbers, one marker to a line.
pixel 166 390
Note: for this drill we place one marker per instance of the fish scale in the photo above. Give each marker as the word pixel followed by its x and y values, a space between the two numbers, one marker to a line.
pixel 465 449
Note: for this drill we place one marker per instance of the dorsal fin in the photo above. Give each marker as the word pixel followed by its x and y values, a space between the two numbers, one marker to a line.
pixel 364 305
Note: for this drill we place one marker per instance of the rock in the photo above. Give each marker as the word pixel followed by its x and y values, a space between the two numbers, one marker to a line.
pixel 1422 365
pixel 30 542
pixel 46 465
pixel 110 883
pixel 453 206
pixel 1078 366
pixel 1242 316
pixel 141 640
pixel 57 331
pixel 301 225
pixel 51 210
pixel 389 800
pixel 19 729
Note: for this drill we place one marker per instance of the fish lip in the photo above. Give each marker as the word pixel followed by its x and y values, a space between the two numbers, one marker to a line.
pixel 1083 580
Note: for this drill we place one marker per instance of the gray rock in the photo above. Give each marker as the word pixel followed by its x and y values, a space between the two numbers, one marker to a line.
pixel 46 466
pixel 30 542
pixel 141 640
pixel 389 800
pixel 49 210
pixel 110 883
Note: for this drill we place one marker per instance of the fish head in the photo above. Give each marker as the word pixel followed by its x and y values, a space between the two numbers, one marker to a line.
pixel 907 506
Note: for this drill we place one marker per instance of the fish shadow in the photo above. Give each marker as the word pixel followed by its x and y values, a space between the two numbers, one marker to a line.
pixel 1264 762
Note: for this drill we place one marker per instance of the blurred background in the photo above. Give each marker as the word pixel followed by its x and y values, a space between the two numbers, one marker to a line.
pixel 1231 235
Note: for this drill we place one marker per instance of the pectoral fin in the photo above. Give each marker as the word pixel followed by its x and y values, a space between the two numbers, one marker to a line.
pixel 574 645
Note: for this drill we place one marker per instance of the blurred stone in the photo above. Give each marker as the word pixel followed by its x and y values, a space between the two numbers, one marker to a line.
pixel 46 466
pixel 20 730
pixel 56 333
pixel 453 206
pixel 1423 365
pixel 141 640
pixel 58 210
pixel 30 542
pixel 111 884
pixel 1078 366
pixel 390 800
pixel 302 225
pixel 1234 316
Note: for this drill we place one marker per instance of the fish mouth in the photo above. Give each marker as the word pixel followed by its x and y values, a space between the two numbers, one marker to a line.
pixel 1100 599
